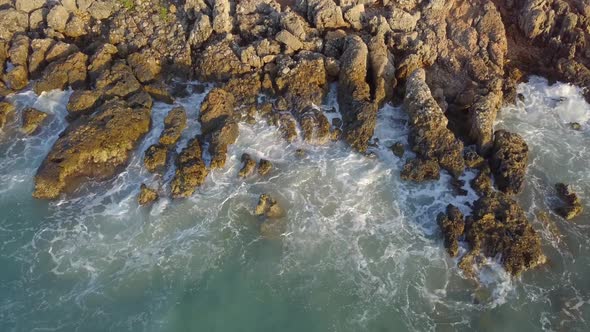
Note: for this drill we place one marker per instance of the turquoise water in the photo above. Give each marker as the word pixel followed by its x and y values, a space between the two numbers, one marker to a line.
pixel 362 251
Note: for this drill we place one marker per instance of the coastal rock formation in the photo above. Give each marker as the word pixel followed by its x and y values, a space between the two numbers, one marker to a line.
pixel 452 225
pixel 190 170
pixel 156 155
pixel 92 149
pixel 6 112
pixel 268 207
pixel 32 120
pixel 429 136
pixel 572 205
pixel 509 161
pixel 147 195
pixel 248 167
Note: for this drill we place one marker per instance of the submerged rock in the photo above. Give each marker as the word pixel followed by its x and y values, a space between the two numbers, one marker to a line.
pixel 572 206
pixel 32 120
pixel 268 207
pixel 95 149
pixel 264 167
pixel 248 167
pixel 509 161
pixel 398 149
pixel 147 195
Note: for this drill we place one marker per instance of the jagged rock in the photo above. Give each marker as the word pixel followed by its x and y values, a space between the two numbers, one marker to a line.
pixel 101 60
pixel 191 171
pixel 39 48
pixel 289 40
pixel 382 69
pixel 398 149
pixel 268 207
pixel 118 81
pixel 11 22
pixel 288 126
pixel 572 205
pixel 314 126
pixel 216 109
pixel 82 102
pixel 401 20
pixel 6 112
pixel 429 136
pixel 257 19
pixel 28 6
pixel 303 80
pixel 60 50
pixel 222 21
pixel 248 167
pixel 37 19
pixel 324 14
pixel 17 78
pixel 76 27
pixel 147 195
pixel 420 170
pixel 57 18
pixel 68 72
pixel 221 138
pixel 101 10
pixel 245 89
pixel 359 113
pixel 95 149
pixel 174 125
pixel 264 167
pixel 218 62
pixel 201 31
pixel 155 158
pixel 509 161
pixel 19 50
pixel 483 115
pixel 140 99
pixel 452 225
pixel 472 158
pixel 32 119
pixel 498 227
pixel 159 91
pixel 145 65
pixel 354 16
pixel 295 24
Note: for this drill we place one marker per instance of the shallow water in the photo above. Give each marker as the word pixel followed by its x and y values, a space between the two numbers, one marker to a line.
pixel 362 250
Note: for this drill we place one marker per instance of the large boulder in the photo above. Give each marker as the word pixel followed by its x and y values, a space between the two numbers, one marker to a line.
pixel 429 136
pixel 117 81
pixel 94 149
pixel 216 109
pixel 452 225
pixel 509 161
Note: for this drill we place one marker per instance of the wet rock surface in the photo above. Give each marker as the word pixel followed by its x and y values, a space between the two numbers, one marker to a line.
pixel 509 161
pixel 191 171
pixel 571 203
pixel 146 195
pixel 32 120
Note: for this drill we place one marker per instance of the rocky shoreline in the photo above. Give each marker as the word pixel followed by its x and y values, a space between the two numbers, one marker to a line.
pixel 453 64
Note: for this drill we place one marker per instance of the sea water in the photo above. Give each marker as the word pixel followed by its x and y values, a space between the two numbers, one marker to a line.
pixel 361 252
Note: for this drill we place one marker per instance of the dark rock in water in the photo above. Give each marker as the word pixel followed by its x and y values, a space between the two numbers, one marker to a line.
pixel 398 149
pixel 520 97
pixel 70 71
pixel 6 112
pixel 315 126
pixel 300 153
pixel 95 149
pixel 191 171
pixel 268 207
pixel 498 227
pixel 337 122
pixel 288 126
pixel 147 195
pixel 482 183
pixel 452 225
pixel 572 206
pixel 264 167
pixel 155 158
pixel 32 119
pixel 336 134
pixel 429 136
pixel 575 126
pixel 420 170
pixel 174 125
pixel 248 167
pixel 82 102
pixel 509 161
pixel 458 187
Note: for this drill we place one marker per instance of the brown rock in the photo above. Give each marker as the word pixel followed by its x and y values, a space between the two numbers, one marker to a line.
pixel 155 158
pixel 217 107
pixel 174 125
pixel 509 161
pixel 248 167
pixel 264 167
pixel 82 102
pixel 147 195
pixel 398 149
pixel 572 205
pixel 6 113
pixel 452 225
pixel 268 207
pixel 191 171
pixel 117 81
pixel 32 119
pixel 60 74
pixel 420 170
pixel 95 149
pixel 145 65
